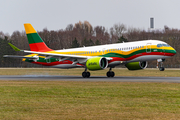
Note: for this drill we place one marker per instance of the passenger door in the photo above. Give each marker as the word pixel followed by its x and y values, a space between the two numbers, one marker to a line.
pixel 148 48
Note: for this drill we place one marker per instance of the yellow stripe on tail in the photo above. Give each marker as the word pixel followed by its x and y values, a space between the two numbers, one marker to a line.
pixel 29 28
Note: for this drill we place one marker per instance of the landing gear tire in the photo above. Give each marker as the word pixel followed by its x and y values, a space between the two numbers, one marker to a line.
pixel 110 74
pixel 161 68
pixel 86 74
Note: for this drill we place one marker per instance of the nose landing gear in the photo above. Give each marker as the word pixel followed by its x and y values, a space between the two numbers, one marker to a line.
pixel 161 68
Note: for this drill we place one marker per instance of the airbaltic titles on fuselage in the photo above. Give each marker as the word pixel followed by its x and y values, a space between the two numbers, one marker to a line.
pixel 92 63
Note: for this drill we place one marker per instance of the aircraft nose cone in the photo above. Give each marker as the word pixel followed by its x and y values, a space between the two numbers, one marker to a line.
pixel 171 52
pixel 174 51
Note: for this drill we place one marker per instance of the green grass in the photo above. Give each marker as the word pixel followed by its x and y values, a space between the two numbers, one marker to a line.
pixel 27 100
pixel 88 100
pixel 78 72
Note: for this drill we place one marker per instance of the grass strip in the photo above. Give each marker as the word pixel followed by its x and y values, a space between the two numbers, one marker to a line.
pixel 26 100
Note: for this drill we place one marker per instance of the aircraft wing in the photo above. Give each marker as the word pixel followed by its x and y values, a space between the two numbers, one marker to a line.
pixel 56 54
pixel 21 57
pixel 63 56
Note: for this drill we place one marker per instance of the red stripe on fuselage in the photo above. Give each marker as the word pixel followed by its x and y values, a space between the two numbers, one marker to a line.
pixel 116 59
pixel 39 47
pixel 169 54
pixel 56 63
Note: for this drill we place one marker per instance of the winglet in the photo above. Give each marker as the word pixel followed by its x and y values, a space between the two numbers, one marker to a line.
pixel 14 47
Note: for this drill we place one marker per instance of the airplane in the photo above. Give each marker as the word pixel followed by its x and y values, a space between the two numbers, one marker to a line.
pixel 134 55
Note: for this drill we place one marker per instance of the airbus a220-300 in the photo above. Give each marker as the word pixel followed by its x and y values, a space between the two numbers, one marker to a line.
pixel 134 55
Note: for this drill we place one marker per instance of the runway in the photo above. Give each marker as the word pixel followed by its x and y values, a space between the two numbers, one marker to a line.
pixel 91 79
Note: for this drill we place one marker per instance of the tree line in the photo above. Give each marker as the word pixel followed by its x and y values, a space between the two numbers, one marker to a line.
pixel 84 34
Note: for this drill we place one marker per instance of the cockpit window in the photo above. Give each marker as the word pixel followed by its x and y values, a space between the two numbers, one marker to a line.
pixel 166 45
pixel 161 45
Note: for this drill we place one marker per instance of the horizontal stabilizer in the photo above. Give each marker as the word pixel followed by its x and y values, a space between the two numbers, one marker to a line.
pixel 14 47
pixel 21 57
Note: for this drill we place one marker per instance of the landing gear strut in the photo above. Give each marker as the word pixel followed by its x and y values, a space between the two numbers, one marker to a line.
pixel 86 74
pixel 161 68
pixel 110 73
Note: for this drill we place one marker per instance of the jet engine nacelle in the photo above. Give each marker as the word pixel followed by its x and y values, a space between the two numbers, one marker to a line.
pixel 136 65
pixel 97 63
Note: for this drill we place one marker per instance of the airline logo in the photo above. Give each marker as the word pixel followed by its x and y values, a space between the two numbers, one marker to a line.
pixel 92 63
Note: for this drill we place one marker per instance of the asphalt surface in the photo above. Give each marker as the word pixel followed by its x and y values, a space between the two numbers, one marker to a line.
pixel 91 79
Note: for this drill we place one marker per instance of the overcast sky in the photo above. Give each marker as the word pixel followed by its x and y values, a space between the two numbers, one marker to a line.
pixel 57 14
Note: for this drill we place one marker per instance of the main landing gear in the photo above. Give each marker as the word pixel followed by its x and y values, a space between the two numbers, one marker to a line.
pixel 110 73
pixel 161 68
pixel 86 74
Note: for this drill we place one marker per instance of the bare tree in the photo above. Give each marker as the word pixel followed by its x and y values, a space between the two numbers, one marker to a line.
pixel 119 29
pixel 69 27
pixel 1 35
